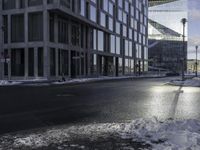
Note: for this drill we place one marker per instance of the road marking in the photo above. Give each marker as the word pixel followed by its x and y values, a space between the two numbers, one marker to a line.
pixel 64 95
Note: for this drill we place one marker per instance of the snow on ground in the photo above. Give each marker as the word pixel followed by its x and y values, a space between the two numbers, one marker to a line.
pixel 155 134
pixel 102 78
pixel 8 83
pixel 194 82
pixel 45 82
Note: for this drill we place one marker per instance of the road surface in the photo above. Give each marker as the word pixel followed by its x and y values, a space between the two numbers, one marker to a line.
pixel 28 107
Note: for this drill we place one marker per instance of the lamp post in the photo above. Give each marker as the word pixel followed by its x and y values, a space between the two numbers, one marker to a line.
pixel 183 21
pixel 196 61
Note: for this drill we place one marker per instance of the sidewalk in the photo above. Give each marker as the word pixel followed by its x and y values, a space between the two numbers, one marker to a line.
pixel 190 82
pixel 42 82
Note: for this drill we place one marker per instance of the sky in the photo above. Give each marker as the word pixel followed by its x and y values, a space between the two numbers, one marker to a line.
pixel 193 27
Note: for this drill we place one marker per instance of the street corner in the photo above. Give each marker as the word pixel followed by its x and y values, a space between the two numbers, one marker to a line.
pixel 193 82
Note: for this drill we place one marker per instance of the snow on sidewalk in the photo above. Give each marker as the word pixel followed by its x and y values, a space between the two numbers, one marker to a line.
pixel 167 135
pixel 194 82
pixel 45 82
pixel 103 78
pixel 9 83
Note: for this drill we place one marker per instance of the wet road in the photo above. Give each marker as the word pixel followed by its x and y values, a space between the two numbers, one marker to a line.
pixel 26 107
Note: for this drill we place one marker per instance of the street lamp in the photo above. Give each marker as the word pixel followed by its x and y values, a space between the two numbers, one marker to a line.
pixel 196 61
pixel 183 21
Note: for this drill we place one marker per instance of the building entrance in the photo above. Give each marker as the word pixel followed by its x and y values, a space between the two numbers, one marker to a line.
pixel 106 65
pixel 77 64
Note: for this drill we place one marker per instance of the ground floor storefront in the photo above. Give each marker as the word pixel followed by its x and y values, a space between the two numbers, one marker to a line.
pixel 55 63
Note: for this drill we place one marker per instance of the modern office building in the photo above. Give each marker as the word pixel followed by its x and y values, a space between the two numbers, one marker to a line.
pixel 166 34
pixel 73 38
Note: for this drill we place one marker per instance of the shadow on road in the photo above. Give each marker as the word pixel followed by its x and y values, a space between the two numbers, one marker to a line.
pixel 175 102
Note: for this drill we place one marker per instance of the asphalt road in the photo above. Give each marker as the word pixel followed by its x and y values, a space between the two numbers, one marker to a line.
pixel 27 107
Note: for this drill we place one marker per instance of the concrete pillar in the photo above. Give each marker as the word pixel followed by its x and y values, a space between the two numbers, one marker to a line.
pixel 9 49
pixel 17 4
pixel 26 27
pixel 69 61
pixel 9 65
pixel 88 43
pixel 1 46
pixel 56 28
pixel 56 55
pixel 26 38
pixel 45 40
pixel 35 62
pixel 26 62
pixel 114 66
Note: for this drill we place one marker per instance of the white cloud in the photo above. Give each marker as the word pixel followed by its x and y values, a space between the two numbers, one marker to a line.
pixel 194 14
pixel 195 40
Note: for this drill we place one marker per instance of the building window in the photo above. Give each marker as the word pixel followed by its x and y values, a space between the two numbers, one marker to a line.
pixel 130 34
pixel 120 66
pixel 9 4
pixel 94 1
pixel 105 5
pixel 132 65
pixel 124 31
pixel 126 6
pixel 110 24
pixel 118 45
pixel 126 48
pixel 112 44
pixel 5 28
pixel 75 34
pixel 120 3
pixel 6 64
pixel 103 19
pixel 17 62
pixel 130 49
pixel 126 67
pixel 146 53
pixel 94 39
pixel 35 2
pixel 52 62
pixel 93 13
pixel 120 15
pixel 40 61
pixel 117 28
pixel 31 62
pixel 63 31
pixel 49 1
pixel 17 28
pixel 22 4
pixel 82 7
pixel 63 65
pixel 111 8
pixel 124 18
pixel 66 3
pixel 35 24
pixel 93 64
pixel 51 28
pixel 100 40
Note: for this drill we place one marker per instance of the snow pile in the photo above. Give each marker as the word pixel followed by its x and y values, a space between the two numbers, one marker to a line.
pixel 178 135
pixel 6 82
pixel 195 82
pixel 167 135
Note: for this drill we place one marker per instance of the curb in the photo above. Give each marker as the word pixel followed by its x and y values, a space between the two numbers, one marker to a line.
pixel 70 82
